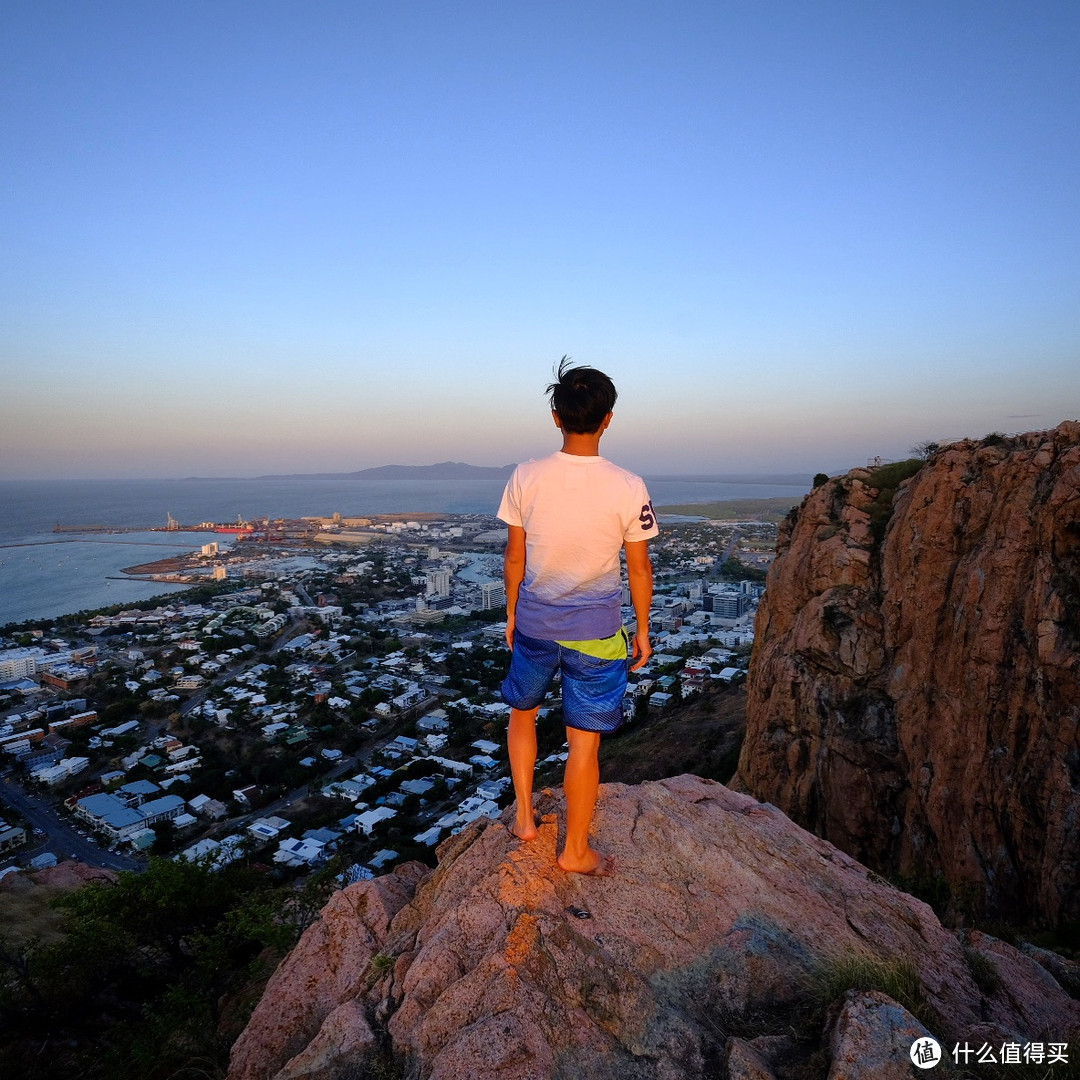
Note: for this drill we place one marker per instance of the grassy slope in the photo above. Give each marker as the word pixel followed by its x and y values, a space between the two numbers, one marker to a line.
pixel 25 913
pixel 701 735
pixel 774 510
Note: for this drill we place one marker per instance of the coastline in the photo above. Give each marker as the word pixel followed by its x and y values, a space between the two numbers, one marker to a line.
pixel 45 576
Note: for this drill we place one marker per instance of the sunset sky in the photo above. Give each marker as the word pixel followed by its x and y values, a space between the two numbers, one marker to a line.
pixel 262 237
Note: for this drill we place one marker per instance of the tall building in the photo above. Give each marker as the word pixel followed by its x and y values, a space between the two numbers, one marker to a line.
pixel 727 605
pixel 438 582
pixel 19 663
pixel 492 595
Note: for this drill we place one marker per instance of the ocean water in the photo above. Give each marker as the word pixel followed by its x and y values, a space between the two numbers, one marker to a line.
pixel 45 574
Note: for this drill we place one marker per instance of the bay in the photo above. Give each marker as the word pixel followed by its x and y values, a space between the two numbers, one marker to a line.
pixel 45 574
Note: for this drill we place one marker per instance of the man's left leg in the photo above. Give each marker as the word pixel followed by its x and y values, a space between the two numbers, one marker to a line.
pixel 594 683
pixel 581 783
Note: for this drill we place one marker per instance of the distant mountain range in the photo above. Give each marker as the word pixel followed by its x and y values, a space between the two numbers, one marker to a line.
pixel 443 470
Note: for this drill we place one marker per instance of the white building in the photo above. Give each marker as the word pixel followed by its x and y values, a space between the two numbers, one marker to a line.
pixel 492 595
pixel 59 772
pixel 216 853
pixel 295 852
pixel 19 663
pixel 268 828
pixel 367 821
pixel 438 582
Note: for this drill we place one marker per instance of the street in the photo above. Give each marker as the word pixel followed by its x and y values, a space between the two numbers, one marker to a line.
pixel 59 834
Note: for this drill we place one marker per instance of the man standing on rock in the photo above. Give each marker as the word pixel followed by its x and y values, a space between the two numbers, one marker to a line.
pixel 569 516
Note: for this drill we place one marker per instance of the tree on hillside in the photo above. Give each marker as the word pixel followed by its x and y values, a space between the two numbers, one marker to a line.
pixel 135 985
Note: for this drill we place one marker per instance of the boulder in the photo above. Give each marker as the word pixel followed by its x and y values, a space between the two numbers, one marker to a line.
pixel 721 915
pixel 873 1037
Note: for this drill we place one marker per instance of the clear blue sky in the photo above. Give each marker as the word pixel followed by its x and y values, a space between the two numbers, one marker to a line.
pixel 251 237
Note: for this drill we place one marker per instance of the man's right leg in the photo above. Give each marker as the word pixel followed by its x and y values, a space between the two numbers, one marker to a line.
pixel 533 664
pixel 581 783
pixel 521 746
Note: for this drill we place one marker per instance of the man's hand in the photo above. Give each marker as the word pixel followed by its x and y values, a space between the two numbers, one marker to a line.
pixel 510 632
pixel 642 650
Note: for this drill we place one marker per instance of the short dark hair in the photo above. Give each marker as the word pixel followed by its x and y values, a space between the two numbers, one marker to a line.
pixel 582 397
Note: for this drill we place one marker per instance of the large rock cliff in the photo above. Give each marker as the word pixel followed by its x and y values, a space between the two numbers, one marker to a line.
pixel 698 958
pixel 914 695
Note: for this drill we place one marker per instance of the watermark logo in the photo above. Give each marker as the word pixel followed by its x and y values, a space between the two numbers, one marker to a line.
pixel 1010 1053
pixel 925 1053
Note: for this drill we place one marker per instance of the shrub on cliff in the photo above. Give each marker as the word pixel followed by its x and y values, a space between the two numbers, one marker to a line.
pixel 886 479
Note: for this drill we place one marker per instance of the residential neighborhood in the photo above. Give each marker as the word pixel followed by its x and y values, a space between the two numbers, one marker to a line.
pixel 334 698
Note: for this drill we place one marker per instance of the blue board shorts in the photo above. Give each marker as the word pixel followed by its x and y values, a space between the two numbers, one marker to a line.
pixel 593 687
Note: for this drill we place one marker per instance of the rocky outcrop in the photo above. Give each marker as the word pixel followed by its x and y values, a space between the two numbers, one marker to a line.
pixel 66 875
pixel 914 695
pixel 698 958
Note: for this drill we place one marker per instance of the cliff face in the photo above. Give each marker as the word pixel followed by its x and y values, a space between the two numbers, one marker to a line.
pixel 692 961
pixel 914 695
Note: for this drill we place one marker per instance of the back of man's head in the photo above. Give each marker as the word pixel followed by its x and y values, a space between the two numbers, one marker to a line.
pixel 582 397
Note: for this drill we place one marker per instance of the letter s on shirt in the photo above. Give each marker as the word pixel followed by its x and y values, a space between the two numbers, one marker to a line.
pixel 647 517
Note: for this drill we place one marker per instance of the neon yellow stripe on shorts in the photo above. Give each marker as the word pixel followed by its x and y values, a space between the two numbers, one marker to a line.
pixel 610 648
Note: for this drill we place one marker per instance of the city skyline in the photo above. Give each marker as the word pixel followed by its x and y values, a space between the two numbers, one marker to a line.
pixel 245 240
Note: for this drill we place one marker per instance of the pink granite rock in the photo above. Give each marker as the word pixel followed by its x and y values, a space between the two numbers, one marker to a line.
pixel 722 909
pixel 744 1062
pixel 65 875
pixel 872 1039
pixel 329 968
pixel 914 696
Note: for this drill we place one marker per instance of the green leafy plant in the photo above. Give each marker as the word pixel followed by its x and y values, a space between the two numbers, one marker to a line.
pixel 381 963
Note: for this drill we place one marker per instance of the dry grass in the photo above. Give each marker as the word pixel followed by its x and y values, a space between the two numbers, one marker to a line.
pixel 25 913
pixel 896 977
pixel 701 736
pixel 774 510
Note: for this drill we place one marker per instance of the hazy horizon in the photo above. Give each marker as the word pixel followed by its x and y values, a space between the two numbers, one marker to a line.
pixel 779 478
pixel 244 240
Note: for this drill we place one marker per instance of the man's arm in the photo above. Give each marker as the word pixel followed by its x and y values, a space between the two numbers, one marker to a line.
pixel 639 575
pixel 513 575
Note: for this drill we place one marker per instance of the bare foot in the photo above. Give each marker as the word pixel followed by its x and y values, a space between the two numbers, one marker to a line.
pixel 594 865
pixel 526 830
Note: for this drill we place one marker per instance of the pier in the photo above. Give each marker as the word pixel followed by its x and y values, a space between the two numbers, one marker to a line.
pixel 58 528
pixel 136 543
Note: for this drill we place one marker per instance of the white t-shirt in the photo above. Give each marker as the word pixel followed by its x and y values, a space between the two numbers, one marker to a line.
pixel 577 512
